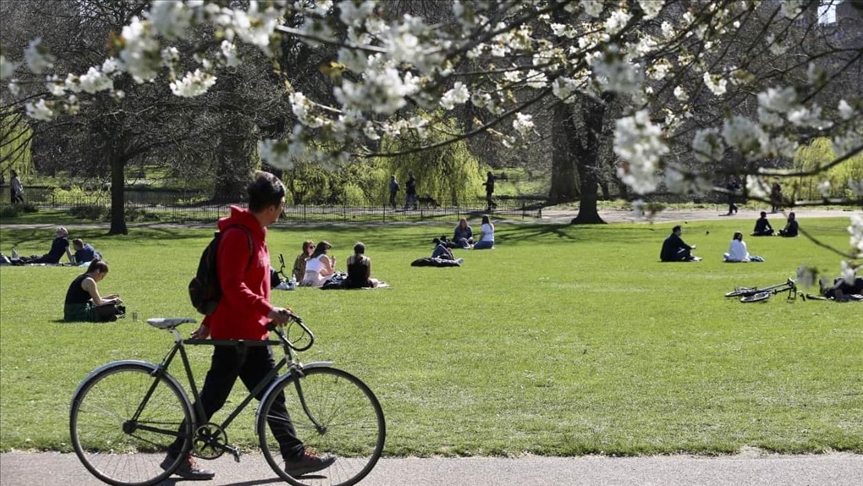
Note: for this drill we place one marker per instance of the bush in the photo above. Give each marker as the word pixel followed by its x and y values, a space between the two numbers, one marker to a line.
pixel 15 210
pixel 89 211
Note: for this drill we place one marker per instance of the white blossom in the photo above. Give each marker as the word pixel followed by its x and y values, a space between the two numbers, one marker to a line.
pixel 523 124
pixel 512 77
pixel 680 93
pixel 480 99
pixel 170 19
pixel 808 117
pixel 638 142
pixel 667 30
pixel 791 8
pixel 535 79
pixel 592 7
pixel 95 81
pixel 370 131
pixel 757 187
pixel 848 272
pixel 856 231
pixel 111 65
pixel 778 100
pixel 563 88
pixel 39 110
pixel 619 75
pixel 353 14
pixel 844 144
pixel 744 135
pixel 456 96
pixel 229 51
pixel 651 8
pixel 37 57
pixel 140 54
pixel 824 189
pixel 715 83
pixel 14 88
pixel 707 145
pixel 845 110
pixel 616 21
pixel 6 67
pixel 193 84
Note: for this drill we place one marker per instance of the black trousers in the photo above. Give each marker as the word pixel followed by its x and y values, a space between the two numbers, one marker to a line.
pixel 251 364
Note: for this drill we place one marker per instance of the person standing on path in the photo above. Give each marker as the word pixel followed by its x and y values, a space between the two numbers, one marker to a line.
pixel 489 191
pixel 732 187
pixel 411 191
pixel 394 189
pixel 17 188
pixel 243 313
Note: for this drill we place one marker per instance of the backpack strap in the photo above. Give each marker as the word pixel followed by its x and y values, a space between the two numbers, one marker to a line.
pixel 251 243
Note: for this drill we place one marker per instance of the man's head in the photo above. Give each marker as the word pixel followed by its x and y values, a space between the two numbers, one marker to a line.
pixel 677 230
pixel 763 214
pixel 266 197
pixel 78 243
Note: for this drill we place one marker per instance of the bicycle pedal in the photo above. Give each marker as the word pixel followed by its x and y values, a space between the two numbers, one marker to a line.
pixel 234 452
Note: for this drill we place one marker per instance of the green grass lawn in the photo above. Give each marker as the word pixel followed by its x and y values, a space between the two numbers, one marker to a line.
pixel 564 340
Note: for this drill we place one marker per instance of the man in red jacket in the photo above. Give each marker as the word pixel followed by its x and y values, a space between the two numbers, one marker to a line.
pixel 243 313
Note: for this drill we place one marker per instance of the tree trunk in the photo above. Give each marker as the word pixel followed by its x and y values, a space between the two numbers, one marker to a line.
pixel 563 184
pixel 236 160
pixel 587 149
pixel 118 196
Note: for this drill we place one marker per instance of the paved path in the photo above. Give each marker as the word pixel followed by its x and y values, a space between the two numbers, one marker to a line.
pixel 750 469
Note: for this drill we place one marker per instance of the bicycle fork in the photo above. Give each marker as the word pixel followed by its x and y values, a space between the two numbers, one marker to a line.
pixel 297 374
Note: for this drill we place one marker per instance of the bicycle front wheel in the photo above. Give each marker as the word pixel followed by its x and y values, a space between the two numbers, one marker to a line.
pixel 350 426
pixel 122 421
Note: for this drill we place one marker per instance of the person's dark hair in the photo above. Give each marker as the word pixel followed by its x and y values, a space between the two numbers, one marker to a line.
pixel 14 173
pixel 792 216
pixel 78 243
pixel 99 265
pixel 359 248
pixel 266 190
pixel 763 214
pixel 485 219
pixel 676 229
pixel 436 241
pixel 322 248
pixel 738 236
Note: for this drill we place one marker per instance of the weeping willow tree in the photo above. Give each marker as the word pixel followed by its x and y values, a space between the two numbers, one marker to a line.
pixel 819 154
pixel 450 173
pixel 15 136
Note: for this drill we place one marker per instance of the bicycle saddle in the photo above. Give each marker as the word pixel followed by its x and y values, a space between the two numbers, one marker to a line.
pixel 169 322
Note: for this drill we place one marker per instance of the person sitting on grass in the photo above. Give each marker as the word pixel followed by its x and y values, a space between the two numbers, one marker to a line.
pixel 442 252
pixel 791 227
pixel 762 226
pixel 319 266
pixel 84 252
pixel 83 301
pixel 463 234
pixel 360 269
pixel 674 249
pixel 486 238
pixel 737 252
pixel 299 271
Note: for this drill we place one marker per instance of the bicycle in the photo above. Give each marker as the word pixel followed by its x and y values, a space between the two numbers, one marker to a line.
pixel 125 414
pixel 756 294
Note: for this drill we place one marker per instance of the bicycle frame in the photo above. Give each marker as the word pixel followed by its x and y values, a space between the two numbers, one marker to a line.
pixel 269 382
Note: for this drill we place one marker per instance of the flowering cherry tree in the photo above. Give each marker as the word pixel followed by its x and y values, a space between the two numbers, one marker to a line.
pixel 700 88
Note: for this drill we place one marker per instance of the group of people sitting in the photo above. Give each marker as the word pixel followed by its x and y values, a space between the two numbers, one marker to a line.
pixel 313 267
pixel 674 249
pixel 60 246
pixel 463 236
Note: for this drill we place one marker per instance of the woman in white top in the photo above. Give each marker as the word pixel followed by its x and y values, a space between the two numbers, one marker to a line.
pixel 737 252
pixel 319 266
pixel 486 240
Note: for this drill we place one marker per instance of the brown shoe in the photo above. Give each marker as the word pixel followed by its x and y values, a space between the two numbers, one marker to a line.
pixel 308 463
pixel 188 469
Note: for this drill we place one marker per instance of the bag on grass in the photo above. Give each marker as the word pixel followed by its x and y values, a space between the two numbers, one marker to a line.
pixel 204 289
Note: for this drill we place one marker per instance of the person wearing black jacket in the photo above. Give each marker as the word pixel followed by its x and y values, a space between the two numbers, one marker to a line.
pixel 674 249
pixel 762 226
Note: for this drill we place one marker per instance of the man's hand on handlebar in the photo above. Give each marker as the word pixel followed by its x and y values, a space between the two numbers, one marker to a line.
pixel 280 315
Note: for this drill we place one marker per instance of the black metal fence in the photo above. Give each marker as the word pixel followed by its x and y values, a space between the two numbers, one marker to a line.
pixel 178 206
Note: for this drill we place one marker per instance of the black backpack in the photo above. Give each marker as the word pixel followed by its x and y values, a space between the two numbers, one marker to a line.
pixel 204 289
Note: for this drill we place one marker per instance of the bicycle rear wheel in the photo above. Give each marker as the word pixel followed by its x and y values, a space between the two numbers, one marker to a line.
pixel 122 421
pixel 760 296
pixel 741 291
pixel 353 427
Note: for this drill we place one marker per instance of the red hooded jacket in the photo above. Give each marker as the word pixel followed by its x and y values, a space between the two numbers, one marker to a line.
pixel 245 302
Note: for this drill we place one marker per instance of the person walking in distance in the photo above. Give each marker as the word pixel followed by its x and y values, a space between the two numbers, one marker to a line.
pixel 243 313
pixel 411 191
pixel 17 188
pixel 489 191
pixel 394 189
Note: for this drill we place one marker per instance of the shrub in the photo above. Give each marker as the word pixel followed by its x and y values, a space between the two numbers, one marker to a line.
pixel 89 211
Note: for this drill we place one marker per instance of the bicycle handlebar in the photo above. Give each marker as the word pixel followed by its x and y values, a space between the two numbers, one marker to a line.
pixel 295 319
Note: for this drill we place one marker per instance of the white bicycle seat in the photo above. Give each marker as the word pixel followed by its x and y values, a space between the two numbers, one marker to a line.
pixel 169 322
